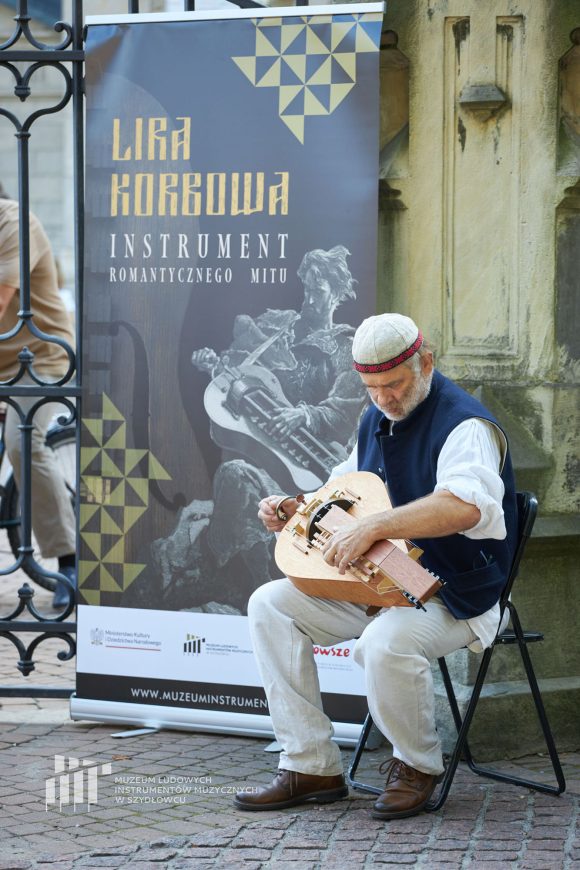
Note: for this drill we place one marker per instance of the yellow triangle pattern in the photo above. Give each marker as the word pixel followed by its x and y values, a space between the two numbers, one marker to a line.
pixel 87 512
pixel 95 427
pixel 110 412
pixel 108 582
pixel 314 45
pixel 156 470
pixel 87 456
pixel 349 36
pixel 272 77
pixel 289 34
pixel 296 124
pixel 117 497
pixel 338 31
pixel 93 542
pixel 121 480
pixel 247 66
pixel 86 569
pixel 92 596
pixel 322 76
pixel 140 487
pixel 297 63
pixel 118 439
pixel 286 95
pixel 131 572
pixel 132 458
pixel 108 524
pixel 108 467
pixel 116 554
pixel 338 93
pixel 130 517
pixel 264 47
pixel 347 62
pixel 312 106
pixel 363 42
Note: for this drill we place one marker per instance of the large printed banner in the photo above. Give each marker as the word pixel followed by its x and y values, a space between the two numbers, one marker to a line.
pixel 230 233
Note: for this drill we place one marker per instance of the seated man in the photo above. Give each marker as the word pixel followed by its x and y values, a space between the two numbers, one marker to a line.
pixel 446 465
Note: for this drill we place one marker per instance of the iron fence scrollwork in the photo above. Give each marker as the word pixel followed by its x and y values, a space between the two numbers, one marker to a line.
pixel 23 56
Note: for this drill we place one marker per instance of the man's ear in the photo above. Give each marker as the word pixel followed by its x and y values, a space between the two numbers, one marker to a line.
pixel 427 363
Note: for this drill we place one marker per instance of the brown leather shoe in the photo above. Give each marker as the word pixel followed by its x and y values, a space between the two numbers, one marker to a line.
pixel 290 788
pixel 406 791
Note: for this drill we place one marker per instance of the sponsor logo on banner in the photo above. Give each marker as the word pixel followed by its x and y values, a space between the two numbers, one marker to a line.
pixel 331 651
pixel 97 636
pixel 193 645
pixel 334 658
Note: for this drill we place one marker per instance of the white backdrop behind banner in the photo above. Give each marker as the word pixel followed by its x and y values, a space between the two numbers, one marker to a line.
pixel 231 210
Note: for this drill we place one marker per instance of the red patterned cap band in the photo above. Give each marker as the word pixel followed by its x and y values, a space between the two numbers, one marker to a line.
pixel 391 363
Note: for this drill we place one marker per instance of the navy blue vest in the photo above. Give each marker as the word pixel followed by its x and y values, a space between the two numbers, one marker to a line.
pixel 475 571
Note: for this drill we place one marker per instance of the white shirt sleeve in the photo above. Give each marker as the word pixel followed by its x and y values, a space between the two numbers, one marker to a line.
pixel 347 465
pixel 469 467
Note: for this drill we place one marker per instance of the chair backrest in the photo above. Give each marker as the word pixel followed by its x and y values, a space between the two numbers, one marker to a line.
pixel 527 505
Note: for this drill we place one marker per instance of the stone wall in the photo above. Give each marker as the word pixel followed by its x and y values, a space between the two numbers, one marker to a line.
pixel 480 243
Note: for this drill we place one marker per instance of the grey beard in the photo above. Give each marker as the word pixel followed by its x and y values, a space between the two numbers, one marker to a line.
pixel 418 394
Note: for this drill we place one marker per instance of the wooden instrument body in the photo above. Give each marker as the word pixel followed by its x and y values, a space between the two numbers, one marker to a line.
pixel 387 575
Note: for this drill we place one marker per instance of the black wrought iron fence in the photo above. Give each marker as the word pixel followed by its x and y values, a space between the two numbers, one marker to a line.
pixel 38 364
pixel 27 386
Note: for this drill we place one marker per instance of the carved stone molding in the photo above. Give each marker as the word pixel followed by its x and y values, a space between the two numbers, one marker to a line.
pixel 569 109
pixel 568 282
pixel 394 118
pixel 389 197
pixel 481 185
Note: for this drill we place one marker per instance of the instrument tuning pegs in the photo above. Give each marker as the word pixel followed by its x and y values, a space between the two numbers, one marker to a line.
pixel 412 600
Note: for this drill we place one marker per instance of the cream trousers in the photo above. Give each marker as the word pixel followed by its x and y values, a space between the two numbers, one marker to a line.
pixel 394 648
pixel 53 519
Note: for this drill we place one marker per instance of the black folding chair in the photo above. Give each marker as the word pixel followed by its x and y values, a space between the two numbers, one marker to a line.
pixel 527 510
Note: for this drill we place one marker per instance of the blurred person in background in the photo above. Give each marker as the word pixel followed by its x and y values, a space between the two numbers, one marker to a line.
pixel 53 518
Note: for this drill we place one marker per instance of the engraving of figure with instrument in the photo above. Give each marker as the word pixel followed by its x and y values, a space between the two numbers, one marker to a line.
pixel 282 404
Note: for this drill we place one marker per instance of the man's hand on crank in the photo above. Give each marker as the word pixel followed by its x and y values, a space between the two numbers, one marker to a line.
pixel 267 511
pixel 347 544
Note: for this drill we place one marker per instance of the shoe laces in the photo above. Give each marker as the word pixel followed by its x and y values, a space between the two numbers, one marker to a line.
pixel 395 769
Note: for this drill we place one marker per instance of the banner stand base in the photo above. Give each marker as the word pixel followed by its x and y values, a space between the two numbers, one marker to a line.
pixel 135 732
pixel 150 718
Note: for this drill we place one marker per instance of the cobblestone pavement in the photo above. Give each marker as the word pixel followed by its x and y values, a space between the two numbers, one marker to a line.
pixel 167 801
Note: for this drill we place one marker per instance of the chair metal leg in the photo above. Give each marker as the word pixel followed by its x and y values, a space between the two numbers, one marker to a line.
pixel 462 725
pixel 361 786
pixel 542 716
pixel 452 698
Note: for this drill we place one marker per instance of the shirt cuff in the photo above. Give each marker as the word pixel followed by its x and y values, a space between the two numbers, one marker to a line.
pixel 491 523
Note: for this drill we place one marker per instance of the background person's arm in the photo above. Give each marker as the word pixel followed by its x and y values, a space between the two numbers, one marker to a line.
pixel 6 294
